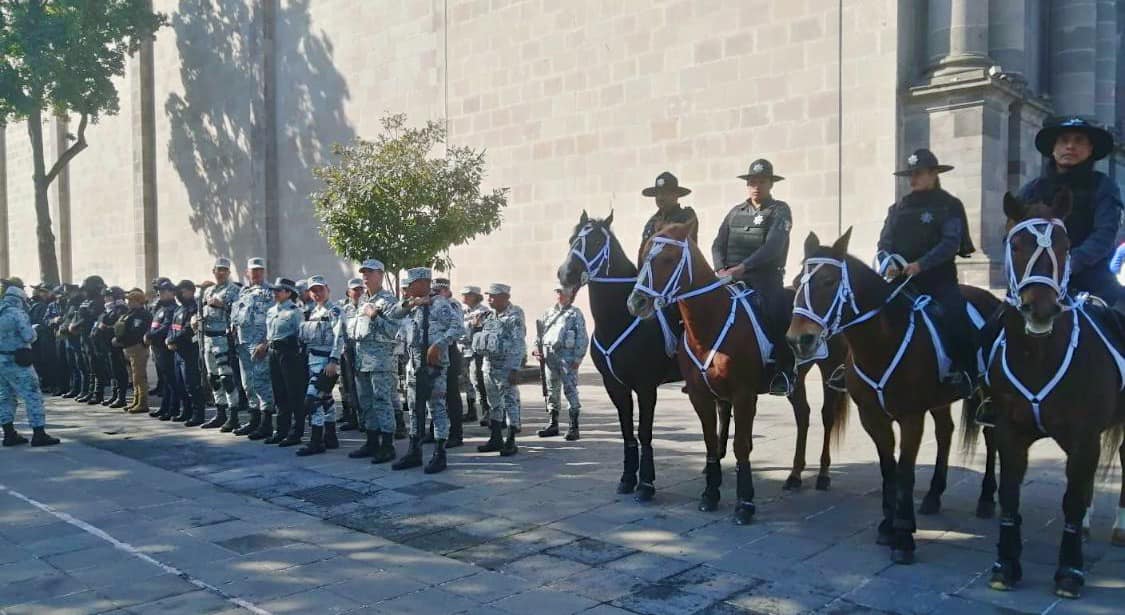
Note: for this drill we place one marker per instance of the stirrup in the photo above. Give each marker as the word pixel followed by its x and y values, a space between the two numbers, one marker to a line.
pixel 837 380
pixel 984 415
pixel 787 383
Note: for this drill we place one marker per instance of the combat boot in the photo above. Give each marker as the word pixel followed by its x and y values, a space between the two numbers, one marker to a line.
pixel 349 421
pixel 252 426
pixel 384 448
pixel 98 397
pixel 315 445
pixel 185 413
pixel 412 458
pixel 331 442
pixel 572 433
pixel 510 447
pixel 198 416
pixel 219 420
pixel 367 449
pixel 495 439
pixel 231 423
pixel 39 437
pixel 552 428
pixel 12 437
pixel 437 462
pixel 265 427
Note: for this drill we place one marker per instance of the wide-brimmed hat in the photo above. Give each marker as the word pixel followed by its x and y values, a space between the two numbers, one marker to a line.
pixel 498 289
pixel 922 159
pixel 284 284
pixel 666 183
pixel 1101 138
pixel 760 168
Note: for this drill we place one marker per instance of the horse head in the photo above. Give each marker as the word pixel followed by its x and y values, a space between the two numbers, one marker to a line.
pixel 823 293
pixel 591 246
pixel 1037 259
pixel 672 266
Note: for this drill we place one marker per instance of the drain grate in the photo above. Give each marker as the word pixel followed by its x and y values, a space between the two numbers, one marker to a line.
pixel 327 495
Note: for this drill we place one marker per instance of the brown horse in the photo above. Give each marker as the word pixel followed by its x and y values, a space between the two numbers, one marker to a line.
pixel 892 374
pixel 1052 374
pixel 722 361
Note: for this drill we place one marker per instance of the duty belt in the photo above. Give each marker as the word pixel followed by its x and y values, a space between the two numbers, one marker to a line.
pixel 320 353
pixel 285 344
pixel 215 333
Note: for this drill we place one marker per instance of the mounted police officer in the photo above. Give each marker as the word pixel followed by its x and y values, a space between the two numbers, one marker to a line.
pixel 433 323
pixel 214 321
pixel 323 336
pixel 667 191
pixel 472 374
pixel 374 329
pixel 287 371
pixel 18 380
pixel 752 246
pixel 248 324
pixel 562 346
pixel 922 236
pixel 502 341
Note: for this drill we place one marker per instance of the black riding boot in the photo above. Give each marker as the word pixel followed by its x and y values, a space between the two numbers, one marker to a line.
pixel 331 442
pixel 12 437
pixel 437 462
pixel 265 428
pixel 219 420
pixel 368 447
pixel 495 439
pixel 315 445
pixel 551 429
pixel 412 458
pixel 231 423
pixel 510 447
pixel 39 437
pixel 252 426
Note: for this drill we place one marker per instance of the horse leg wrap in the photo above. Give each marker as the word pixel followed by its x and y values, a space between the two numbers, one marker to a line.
pixel 1010 546
pixel 631 459
pixel 647 467
pixel 745 484
pixel 1070 550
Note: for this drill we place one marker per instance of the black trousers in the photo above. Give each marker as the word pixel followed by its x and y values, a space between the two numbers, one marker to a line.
pixel 289 381
pixel 165 361
pixel 958 334
pixel 189 383
pixel 119 368
pixel 775 305
pixel 453 392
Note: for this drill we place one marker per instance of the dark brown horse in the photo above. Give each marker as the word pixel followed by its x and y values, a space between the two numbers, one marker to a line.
pixel 722 361
pixel 1052 374
pixel 892 374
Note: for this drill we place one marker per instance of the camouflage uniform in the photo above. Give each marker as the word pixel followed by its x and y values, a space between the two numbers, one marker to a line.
pixel 323 336
pixel 445 326
pixel 375 362
pixel 249 320
pixel 471 380
pixel 216 343
pixel 502 342
pixel 17 382
pixel 564 344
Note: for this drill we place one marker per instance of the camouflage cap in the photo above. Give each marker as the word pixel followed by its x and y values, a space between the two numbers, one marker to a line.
pixel 222 263
pixel 315 280
pixel 371 264
pixel 418 273
pixel 256 263
pixel 470 290
pixel 498 289
pixel 355 283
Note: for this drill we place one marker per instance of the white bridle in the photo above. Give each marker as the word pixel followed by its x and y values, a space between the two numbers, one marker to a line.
pixel 832 320
pixel 598 262
pixel 1043 230
pixel 671 292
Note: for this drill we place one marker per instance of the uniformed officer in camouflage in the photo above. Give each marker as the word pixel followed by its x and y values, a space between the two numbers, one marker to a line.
pixel 472 374
pixel 323 335
pixel 248 323
pixel 752 246
pixel 18 380
pixel 432 324
pixel 215 320
pixel 563 343
pixel 348 398
pixel 373 329
pixel 502 341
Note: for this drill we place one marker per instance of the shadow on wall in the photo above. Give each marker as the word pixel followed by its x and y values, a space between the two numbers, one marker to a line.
pixel 212 123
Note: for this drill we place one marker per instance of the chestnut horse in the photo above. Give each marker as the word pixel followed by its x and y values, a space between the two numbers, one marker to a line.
pixel 722 359
pixel 1053 373
pixel 892 374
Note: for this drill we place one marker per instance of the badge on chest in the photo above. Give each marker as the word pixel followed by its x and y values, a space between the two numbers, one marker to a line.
pixel 927 217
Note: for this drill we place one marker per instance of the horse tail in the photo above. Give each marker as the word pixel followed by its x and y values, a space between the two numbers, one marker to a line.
pixel 840 406
pixel 970 430
pixel 1111 443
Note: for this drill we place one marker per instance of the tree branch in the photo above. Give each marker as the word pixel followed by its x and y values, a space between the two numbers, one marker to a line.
pixel 70 152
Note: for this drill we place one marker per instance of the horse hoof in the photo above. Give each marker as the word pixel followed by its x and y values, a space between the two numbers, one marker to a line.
pixel 930 506
pixel 792 483
pixel 1001 583
pixel 986 509
pixel 743 514
pixel 708 504
pixel 625 487
pixel 645 493
pixel 1068 584
pixel 1118 538
pixel 902 556
pixel 823 483
pixel 885 539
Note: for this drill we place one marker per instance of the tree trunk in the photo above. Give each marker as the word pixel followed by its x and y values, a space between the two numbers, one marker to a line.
pixel 48 259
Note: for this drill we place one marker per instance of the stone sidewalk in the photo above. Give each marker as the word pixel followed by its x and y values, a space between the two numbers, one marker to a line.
pixel 203 522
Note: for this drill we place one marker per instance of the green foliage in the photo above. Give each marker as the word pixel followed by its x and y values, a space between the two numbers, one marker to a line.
pixel 61 55
pixel 395 200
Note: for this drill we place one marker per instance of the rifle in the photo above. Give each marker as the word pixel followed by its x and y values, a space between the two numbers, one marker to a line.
pixel 423 377
pixel 542 362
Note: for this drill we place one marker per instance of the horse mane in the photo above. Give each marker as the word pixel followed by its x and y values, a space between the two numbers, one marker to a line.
pixel 679 231
pixel 869 281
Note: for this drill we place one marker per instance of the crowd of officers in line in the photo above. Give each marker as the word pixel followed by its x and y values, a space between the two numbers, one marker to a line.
pixel 273 353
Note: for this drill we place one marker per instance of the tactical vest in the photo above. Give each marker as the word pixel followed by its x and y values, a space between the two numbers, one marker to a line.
pixel 318 331
pixel 748 229
pixel 1080 222
pixel 915 230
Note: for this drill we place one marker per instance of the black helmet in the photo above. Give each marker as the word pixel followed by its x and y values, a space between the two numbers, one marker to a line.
pixel 93 286
pixel 116 292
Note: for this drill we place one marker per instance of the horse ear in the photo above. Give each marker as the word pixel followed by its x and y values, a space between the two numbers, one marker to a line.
pixel 1062 203
pixel 840 248
pixel 1013 207
pixel 609 218
pixel 812 242
pixel 585 217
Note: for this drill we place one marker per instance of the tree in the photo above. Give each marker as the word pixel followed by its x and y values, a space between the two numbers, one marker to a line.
pixel 394 200
pixel 58 57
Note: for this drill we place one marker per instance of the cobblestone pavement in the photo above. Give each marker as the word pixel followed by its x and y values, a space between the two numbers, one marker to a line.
pixel 131 515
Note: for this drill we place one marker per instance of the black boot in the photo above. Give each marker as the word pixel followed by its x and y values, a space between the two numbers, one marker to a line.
pixel 349 422
pixel 510 447
pixel 331 442
pixel 284 422
pixel 112 396
pixel 384 450
pixel 368 448
pixel 265 427
pixel 98 397
pixel 12 437
pixel 437 462
pixel 471 413
pixel 709 500
pixel 454 440
pixel 252 426
pixel 495 439
pixel 412 458
pixel 185 412
pixel 231 423
pixel 198 416
pixel 293 438
pixel 87 391
pixel 39 437
pixel 219 420
pixel 120 401
pixel 429 439
pixel 552 428
pixel 315 445
pixel 572 433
